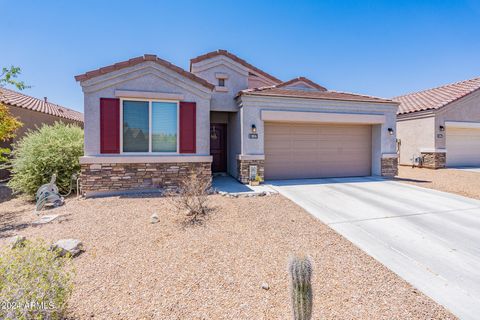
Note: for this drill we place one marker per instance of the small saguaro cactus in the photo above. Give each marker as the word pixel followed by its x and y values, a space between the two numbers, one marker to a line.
pixel 300 270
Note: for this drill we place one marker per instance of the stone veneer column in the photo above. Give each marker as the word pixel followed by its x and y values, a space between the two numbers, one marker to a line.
pixel 243 169
pixel 434 160
pixel 389 166
pixel 115 177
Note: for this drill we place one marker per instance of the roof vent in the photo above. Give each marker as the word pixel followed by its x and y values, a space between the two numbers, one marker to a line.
pixel 45 99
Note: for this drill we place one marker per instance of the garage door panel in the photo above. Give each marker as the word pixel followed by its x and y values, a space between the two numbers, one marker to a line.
pixel 463 147
pixel 316 151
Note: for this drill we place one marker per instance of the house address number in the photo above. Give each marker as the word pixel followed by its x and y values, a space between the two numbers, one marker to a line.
pixel 253 135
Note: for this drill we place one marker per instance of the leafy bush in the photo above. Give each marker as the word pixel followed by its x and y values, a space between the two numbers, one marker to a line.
pixel 41 153
pixel 34 283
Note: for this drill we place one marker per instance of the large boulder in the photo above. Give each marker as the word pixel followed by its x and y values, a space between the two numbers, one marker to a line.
pixel 67 246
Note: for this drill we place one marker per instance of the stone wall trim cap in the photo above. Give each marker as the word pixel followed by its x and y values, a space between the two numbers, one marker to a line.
pixel 101 159
pixel 250 157
pixel 432 150
pixel 389 155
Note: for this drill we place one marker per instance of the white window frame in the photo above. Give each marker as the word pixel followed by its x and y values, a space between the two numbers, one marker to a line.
pixel 150 152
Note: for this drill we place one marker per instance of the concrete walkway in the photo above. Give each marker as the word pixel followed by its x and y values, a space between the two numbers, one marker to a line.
pixel 230 185
pixel 429 238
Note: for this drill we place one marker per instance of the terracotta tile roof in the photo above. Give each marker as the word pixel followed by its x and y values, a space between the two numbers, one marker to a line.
pixel 137 60
pixel 436 98
pixel 324 95
pixel 225 53
pixel 21 100
pixel 301 79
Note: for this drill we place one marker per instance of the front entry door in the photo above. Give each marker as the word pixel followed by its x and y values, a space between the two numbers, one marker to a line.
pixel 218 146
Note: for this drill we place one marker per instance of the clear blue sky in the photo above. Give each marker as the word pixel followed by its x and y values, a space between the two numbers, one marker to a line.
pixel 382 48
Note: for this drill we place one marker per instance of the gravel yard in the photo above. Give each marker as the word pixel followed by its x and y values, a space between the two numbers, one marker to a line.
pixel 464 183
pixel 132 269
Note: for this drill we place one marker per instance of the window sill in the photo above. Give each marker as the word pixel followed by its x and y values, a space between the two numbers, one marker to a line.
pixel 221 89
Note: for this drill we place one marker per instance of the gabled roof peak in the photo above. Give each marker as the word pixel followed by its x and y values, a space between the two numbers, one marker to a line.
pixel 304 80
pixel 222 52
pixel 140 59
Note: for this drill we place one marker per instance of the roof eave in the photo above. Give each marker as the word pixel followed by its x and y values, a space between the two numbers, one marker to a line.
pixel 315 98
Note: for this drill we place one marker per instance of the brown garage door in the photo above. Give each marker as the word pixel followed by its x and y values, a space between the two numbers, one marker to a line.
pixel 317 151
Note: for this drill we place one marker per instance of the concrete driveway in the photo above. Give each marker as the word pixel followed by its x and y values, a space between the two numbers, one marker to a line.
pixel 429 238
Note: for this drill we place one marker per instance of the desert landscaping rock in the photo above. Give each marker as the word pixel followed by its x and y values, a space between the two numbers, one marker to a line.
pixel 133 271
pixel 265 286
pixel 464 183
pixel 154 218
pixel 17 241
pixel 46 219
pixel 68 246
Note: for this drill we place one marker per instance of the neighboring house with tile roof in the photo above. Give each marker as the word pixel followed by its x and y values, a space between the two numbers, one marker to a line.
pixel 33 113
pixel 441 126
pixel 150 124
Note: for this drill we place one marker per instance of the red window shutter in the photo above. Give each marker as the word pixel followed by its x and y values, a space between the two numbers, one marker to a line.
pixel 188 127
pixel 109 125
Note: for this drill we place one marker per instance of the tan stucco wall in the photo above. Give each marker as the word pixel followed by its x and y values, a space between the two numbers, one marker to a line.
pixel 253 106
pixel 148 77
pixel 466 109
pixel 415 134
pixel 33 119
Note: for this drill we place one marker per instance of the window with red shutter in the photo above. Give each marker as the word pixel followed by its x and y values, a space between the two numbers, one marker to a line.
pixel 188 127
pixel 109 125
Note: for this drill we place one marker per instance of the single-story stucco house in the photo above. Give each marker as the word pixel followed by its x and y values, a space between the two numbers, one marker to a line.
pixel 441 126
pixel 33 113
pixel 149 123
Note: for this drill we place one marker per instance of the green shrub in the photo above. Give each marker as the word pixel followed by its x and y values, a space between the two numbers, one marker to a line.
pixel 43 152
pixel 34 283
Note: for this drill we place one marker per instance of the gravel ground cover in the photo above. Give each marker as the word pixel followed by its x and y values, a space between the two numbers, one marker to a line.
pixel 464 183
pixel 133 269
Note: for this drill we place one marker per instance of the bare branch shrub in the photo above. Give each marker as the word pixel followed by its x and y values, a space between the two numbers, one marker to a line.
pixel 191 197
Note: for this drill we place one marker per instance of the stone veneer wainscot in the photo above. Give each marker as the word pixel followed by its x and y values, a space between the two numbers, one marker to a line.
pixel 116 177
pixel 389 166
pixel 434 160
pixel 243 167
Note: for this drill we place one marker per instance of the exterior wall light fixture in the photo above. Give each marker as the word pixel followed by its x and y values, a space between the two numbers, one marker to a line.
pixel 442 128
pixel 390 131
pixel 254 129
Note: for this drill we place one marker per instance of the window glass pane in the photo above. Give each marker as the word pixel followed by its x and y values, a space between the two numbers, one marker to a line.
pixel 164 127
pixel 135 126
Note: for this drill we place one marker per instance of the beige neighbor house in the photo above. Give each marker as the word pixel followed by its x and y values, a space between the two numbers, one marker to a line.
pixel 33 113
pixel 149 124
pixel 441 126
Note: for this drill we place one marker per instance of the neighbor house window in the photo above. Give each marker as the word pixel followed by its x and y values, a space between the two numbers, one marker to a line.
pixel 149 126
pixel 221 82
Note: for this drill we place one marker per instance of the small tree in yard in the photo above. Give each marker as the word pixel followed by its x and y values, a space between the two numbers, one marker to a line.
pixel 39 154
pixel 8 123
pixel 34 282
pixel 191 197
